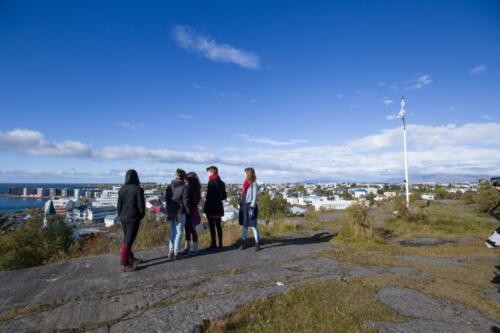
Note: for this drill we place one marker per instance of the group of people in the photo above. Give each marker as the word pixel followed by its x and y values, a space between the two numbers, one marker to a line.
pixel 183 196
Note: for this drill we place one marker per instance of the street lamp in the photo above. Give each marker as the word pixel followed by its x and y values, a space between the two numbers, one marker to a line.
pixel 402 116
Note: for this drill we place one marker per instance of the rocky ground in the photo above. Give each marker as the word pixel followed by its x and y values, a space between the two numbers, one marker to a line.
pixel 91 295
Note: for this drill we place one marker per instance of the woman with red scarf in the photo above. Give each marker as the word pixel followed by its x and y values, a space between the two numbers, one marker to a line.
pixel 214 209
pixel 249 210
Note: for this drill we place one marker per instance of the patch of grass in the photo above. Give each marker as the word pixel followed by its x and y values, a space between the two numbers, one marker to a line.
pixel 331 306
pixel 464 284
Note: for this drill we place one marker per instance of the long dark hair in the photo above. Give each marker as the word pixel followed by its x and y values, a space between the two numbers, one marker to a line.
pixel 194 184
pixel 131 177
pixel 181 174
pixel 193 181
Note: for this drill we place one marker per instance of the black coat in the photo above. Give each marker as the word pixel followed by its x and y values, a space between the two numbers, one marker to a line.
pixel 131 203
pixel 178 199
pixel 216 193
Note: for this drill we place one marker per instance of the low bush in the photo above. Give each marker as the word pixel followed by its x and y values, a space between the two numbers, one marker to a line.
pixel 356 224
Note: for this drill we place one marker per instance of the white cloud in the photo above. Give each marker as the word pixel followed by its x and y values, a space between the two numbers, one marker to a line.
pixel 189 39
pixel 185 116
pixel 387 101
pixel 340 96
pixel 33 143
pixel 196 86
pixel 486 117
pixel 128 125
pixel 253 100
pixel 353 106
pixel 391 116
pixel 126 152
pixel 476 70
pixel 470 149
pixel 269 141
pixel 420 81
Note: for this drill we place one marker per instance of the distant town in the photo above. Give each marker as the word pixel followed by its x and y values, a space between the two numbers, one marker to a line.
pixel 97 206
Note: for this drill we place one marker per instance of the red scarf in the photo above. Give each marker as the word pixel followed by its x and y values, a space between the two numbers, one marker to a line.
pixel 214 176
pixel 246 185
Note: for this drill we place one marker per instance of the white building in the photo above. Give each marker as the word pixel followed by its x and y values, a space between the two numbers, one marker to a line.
pixel 297 210
pixel 97 214
pixel 110 220
pixel 230 213
pixel 427 196
pixel 389 195
pixel 360 192
pixel 333 204
pixel 108 198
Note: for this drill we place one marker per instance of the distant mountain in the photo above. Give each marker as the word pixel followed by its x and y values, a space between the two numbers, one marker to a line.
pixel 439 178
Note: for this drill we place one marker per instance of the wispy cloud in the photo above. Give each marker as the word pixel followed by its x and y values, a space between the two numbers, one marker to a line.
pixel 185 116
pixel 420 81
pixel 189 39
pixel 340 96
pixel 452 107
pixel 391 116
pixel 486 117
pixel 196 86
pixel 253 100
pixel 478 69
pixel 269 141
pixel 130 126
pixel 469 149
pixel 387 101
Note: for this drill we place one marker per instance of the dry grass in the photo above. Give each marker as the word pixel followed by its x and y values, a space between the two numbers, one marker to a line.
pixel 343 307
pixel 322 307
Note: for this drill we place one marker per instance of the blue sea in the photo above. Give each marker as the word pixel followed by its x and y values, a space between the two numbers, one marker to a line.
pixel 15 204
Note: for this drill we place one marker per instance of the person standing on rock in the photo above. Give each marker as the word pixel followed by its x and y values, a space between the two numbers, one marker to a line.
pixel 131 208
pixel 213 208
pixel 178 210
pixel 194 217
pixel 249 210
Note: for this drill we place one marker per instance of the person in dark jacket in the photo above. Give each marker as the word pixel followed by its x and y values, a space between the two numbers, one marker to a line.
pixel 178 210
pixel 131 209
pixel 214 209
pixel 194 217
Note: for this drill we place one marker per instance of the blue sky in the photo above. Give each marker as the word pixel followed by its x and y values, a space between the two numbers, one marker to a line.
pixel 300 91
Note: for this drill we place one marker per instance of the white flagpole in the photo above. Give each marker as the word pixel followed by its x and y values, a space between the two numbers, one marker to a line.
pixel 402 115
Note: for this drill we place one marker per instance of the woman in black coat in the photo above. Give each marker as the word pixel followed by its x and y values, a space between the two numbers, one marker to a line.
pixel 214 209
pixel 131 210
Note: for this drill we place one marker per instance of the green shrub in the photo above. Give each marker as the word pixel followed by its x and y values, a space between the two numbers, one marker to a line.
pixel 409 215
pixel 357 224
pixel 487 197
pixel 271 208
pixel 33 245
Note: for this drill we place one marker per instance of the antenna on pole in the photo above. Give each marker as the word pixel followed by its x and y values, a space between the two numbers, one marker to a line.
pixel 402 116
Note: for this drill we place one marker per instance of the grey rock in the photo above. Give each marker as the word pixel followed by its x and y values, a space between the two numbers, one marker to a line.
pixel 450 262
pixel 430 314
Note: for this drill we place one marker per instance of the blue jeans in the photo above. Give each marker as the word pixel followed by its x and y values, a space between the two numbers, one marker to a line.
pixel 176 229
pixel 255 233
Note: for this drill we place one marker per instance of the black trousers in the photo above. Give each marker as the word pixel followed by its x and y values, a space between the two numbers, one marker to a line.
pixel 213 224
pixel 130 229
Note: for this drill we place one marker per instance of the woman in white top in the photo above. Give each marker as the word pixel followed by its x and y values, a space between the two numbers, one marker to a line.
pixel 249 210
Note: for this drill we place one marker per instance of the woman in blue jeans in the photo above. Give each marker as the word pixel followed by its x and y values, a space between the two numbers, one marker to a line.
pixel 178 210
pixel 249 210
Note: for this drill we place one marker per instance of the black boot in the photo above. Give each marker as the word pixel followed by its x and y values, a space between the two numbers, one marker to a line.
pixel 257 246
pixel 243 244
